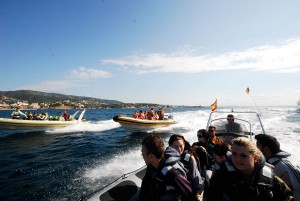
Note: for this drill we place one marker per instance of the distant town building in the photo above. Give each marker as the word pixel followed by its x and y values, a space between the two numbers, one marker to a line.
pixel 34 106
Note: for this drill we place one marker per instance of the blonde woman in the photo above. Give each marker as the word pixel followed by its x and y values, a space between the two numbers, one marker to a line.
pixel 246 176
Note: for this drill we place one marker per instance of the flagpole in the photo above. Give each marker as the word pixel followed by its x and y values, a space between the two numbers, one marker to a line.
pixel 255 106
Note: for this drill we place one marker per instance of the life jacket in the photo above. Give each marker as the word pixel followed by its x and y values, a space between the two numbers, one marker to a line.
pixel 283 166
pixel 150 114
pixel 186 157
pixel 193 171
pixel 173 166
pixel 141 116
pixel 15 115
pixel 155 117
pixel 173 161
pixel 260 187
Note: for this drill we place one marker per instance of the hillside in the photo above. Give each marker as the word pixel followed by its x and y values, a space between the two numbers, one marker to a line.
pixel 41 97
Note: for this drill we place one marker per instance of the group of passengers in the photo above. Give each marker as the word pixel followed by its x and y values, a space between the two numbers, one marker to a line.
pixel 150 115
pixel 18 114
pixel 241 170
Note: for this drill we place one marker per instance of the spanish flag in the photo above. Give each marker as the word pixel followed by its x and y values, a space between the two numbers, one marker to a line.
pixel 214 106
pixel 248 90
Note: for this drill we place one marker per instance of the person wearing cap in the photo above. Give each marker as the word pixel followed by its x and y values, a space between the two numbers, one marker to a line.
pixel 232 126
pixel 283 168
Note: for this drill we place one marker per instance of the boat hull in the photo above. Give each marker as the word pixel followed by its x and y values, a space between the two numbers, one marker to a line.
pixel 19 124
pixel 141 125
pixel 127 187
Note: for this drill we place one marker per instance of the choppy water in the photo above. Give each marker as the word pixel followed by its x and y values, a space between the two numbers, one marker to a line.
pixel 66 163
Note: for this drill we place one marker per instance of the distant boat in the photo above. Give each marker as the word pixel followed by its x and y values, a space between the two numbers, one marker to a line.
pixel 142 125
pixel 20 124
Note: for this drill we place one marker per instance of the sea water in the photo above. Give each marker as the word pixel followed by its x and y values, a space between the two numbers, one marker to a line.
pixel 67 163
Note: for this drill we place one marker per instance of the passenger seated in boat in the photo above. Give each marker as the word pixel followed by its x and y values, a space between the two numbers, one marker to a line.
pixel 247 177
pixel 141 115
pixel 221 154
pixel 155 116
pixel 283 168
pixel 204 149
pixel 29 116
pixel 189 158
pixel 161 114
pixel 66 115
pixel 150 114
pixel 213 137
pixel 34 117
pixel 43 116
pixel 232 126
pixel 164 178
pixel 17 113
pixel 136 115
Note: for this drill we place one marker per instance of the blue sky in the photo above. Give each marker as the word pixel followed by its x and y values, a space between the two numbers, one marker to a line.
pixel 168 52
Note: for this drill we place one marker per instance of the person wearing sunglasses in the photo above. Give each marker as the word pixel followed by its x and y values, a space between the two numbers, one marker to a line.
pixel 232 126
pixel 247 177
pixel 204 149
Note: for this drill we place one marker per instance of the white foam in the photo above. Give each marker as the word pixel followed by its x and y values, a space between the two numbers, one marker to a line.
pixel 88 126
pixel 118 165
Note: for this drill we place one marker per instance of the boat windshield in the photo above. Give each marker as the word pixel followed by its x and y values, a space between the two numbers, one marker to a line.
pixel 242 123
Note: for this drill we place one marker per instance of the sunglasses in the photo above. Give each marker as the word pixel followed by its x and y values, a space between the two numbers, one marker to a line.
pixel 200 136
pixel 211 130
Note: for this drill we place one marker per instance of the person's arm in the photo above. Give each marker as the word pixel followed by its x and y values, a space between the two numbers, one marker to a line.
pixel 195 174
pixel 183 185
pixel 20 112
pixel 215 190
pixel 197 181
pixel 281 191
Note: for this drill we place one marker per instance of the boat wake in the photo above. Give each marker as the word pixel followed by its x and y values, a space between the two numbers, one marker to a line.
pixel 89 126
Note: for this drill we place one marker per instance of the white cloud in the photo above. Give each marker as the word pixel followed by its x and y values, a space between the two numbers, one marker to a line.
pixel 52 86
pixel 89 73
pixel 79 77
pixel 282 58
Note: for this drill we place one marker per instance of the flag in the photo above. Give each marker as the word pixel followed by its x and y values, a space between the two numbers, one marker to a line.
pixel 248 90
pixel 214 106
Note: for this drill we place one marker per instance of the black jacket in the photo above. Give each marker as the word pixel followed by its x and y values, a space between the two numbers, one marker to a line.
pixel 168 182
pixel 230 185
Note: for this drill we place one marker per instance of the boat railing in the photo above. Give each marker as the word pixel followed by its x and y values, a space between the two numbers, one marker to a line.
pixel 210 119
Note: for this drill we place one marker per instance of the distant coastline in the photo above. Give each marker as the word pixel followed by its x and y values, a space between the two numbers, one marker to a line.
pixel 35 100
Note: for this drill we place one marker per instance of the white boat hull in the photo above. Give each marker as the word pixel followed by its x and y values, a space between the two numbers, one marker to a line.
pixel 126 187
pixel 142 125
pixel 20 124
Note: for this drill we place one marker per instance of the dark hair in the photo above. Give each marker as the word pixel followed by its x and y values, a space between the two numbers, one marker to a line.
pixel 269 141
pixel 204 133
pixel 212 127
pixel 154 145
pixel 221 149
pixel 179 137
